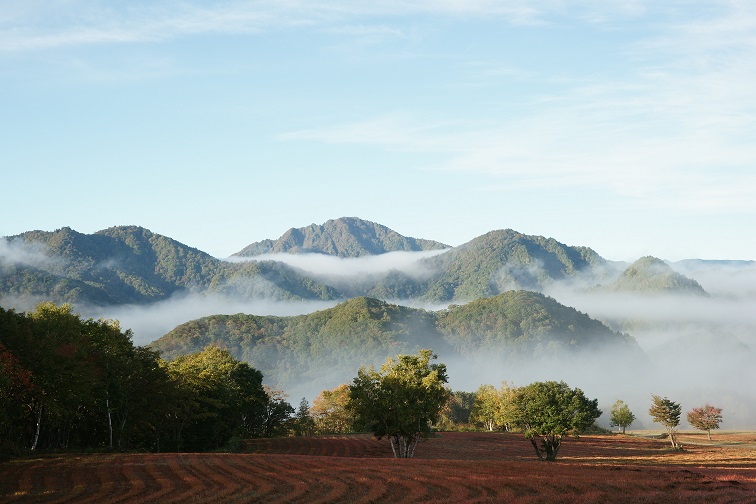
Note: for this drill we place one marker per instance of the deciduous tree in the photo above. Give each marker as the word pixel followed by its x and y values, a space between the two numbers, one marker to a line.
pixel 705 418
pixel 621 416
pixel 667 413
pixel 330 413
pixel 547 411
pixel 401 401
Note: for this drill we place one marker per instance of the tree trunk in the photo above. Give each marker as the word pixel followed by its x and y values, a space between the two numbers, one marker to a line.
pixel 709 433
pixel 537 450
pixel 393 449
pixel 110 423
pixel 36 433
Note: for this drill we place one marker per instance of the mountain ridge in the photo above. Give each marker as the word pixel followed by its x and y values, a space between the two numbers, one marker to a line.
pixel 342 237
pixel 132 265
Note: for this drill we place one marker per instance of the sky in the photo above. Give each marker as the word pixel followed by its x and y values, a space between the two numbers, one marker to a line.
pixel 624 126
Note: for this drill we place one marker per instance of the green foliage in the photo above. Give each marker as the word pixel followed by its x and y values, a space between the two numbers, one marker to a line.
pixel 401 401
pixel 304 424
pixel 523 323
pixel 504 260
pixel 705 418
pixel 278 414
pixel 621 416
pixel 667 413
pixel 295 350
pixel 220 397
pixel 653 276
pixel 68 383
pixel 546 411
pixel 455 415
pixel 130 264
pixel 494 409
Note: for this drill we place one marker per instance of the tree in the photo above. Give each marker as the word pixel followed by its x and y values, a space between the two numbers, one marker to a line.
pixel 278 413
pixel 667 413
pixel 621 415
pixel 218 397
pixel 485 410
pixel 304 425
pixel 705 418
pixel 401 401
pixel 456 413
pixel 330 413
pixel 547 411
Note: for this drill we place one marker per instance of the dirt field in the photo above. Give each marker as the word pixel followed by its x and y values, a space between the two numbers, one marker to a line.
pixel 453 467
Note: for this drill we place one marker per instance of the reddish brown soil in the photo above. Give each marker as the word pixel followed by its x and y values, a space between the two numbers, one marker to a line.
pixel 453 467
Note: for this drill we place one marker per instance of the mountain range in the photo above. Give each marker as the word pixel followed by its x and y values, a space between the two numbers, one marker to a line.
pixel 132 265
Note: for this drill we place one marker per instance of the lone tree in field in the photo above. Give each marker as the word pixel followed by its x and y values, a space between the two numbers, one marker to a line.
pixel 401 401
pixel 547 411
pixel 705 418
pixel 621 417
pixel 667 413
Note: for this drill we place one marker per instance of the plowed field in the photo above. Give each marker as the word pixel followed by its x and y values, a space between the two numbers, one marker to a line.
pixel 453 467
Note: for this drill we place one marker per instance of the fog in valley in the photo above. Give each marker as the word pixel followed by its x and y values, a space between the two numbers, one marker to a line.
pixel 695 349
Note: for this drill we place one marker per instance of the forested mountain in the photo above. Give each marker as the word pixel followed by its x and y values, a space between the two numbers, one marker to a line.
pixel 332 343
pixel 525 323
pixel 343 237
pixel 649 275
pixel 130 264
pixel 503 260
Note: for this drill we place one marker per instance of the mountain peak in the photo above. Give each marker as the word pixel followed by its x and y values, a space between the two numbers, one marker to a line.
pixel 652 275
pixel 342 237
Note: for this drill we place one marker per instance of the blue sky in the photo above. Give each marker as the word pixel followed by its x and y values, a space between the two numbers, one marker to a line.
pixel 626 126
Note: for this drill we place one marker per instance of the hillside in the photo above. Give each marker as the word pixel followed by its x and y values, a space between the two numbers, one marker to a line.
pixel 343 237
pixel 322 345
pixel 524 323
pixel 649 275
pixel 130 264
pixel 328 346
pixel 504 260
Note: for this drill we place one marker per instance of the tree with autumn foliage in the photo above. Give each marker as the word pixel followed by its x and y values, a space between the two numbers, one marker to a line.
pixel 667 413
pixel 705 418
pixel 330 413
pixel 401 401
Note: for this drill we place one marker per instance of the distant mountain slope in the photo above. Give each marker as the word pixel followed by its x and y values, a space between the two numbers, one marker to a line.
pixel 291 351
pixel 650 275
pixel 525 323
pixel 343 237
pixel 130 264
pixel 504 260
pixel 295 350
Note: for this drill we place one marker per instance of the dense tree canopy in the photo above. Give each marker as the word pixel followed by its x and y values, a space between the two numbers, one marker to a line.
pixel 401 400
pixel 546 411
pixel 70 383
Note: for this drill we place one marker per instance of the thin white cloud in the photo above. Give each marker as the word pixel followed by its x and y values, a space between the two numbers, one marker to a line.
pixel 672 132
pixel 27 25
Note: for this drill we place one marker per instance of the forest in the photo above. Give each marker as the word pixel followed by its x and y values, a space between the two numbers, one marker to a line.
pixel 68 383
